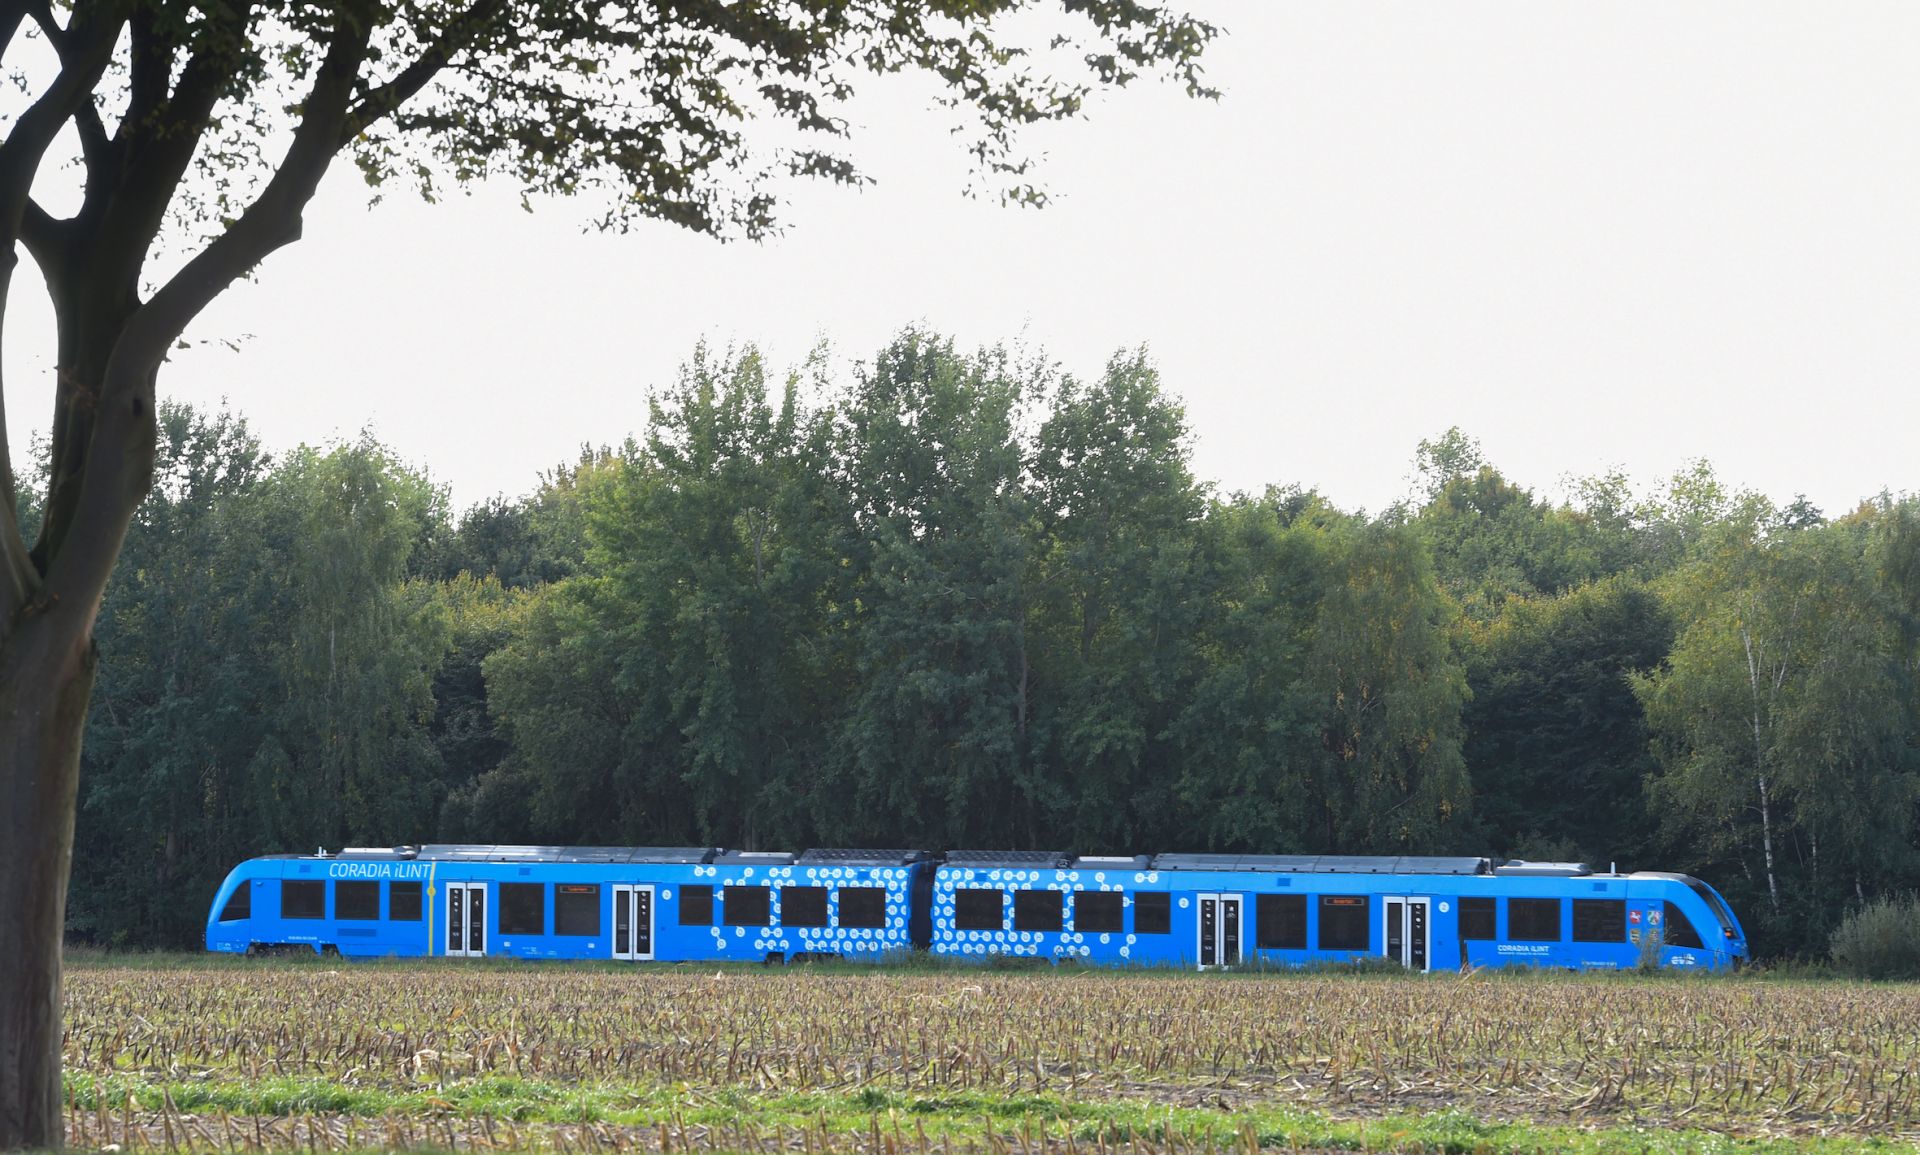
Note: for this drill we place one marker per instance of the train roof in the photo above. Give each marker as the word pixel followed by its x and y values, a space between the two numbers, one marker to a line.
pixel 621 855
pixel 1521 868
pixel 1020 859
pixel 486 852
pixel 1324 863
pixel 1046 860
pixel 751 858
pixel 836 857
pixel 991 859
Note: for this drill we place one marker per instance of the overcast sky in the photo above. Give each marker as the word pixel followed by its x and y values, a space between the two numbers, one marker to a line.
pixel 1593 235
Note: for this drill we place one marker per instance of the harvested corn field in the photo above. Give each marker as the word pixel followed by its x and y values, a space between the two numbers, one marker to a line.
pixel 321 1057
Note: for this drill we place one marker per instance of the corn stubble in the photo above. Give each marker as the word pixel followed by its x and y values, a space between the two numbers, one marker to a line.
pixel 568 1059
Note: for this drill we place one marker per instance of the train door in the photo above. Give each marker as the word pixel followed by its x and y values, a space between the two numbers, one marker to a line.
pixel 466 920
pixel 1409 935
pixel 1220 924
pixel 633 923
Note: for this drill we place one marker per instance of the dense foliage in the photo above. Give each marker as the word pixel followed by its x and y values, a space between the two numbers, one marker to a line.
pixel 1881 940
pixel 968 599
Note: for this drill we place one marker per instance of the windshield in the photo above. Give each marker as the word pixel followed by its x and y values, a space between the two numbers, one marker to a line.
pixel 1715 904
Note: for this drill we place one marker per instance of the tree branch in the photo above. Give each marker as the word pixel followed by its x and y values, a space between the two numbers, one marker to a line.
pixel 119 469
pixel 139 172
pixel 130 182
pixel 84 60
pixel 42 14
pixel 26 145
pixel 42 234
pixel 149 69
pixel 271 221
pixel 94 145
pixel 86 118
pixel 381 101
pixel 12 12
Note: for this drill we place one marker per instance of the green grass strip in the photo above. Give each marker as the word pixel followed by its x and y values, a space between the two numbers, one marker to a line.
pixel 959 1117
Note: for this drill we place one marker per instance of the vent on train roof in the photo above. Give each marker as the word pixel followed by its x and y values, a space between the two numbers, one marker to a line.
pixel 1324 863
pixel 833 857
pixel 1521 868
pixel 673 855
pixel 753 858
pixel 1111 862
pixel 1022 858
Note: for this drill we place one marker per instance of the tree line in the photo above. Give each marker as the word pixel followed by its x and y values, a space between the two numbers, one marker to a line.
pixel 968 599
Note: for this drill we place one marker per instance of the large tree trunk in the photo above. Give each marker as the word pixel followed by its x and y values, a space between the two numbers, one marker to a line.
pixel 46 676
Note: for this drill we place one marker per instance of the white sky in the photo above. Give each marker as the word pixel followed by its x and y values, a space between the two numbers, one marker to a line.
pixel 1591 235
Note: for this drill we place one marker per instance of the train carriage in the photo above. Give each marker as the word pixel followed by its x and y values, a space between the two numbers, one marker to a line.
pixel 1209 910
pixel 1042 904
pixel 615 903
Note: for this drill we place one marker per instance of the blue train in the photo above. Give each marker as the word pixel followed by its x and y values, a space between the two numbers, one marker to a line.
pixel 1172 910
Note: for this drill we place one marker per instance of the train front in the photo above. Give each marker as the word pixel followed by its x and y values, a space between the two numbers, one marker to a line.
pixel 1733 937
pixel 230 918
pixel 1701 930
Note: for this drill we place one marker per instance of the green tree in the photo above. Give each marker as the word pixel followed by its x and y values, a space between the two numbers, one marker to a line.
pixel 720 552
pixel 1247 725
pixel 1493 539
pixel 1555 740
pixel 350 758
pixel 520 542
pixel 1452 456
pixel 168 804
pixel 553 690
pixel 1388 774
pixel 641 108
pixel 1784 720
pixel 271 687
pixel 934 741
pixel 466 738
pixel 1116 519
pixel 1325 714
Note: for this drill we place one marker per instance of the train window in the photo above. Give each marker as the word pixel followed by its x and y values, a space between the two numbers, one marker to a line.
pixel 523 908
pixel 1280 921
pixel 1477 921
pixel 356 901
pixel 1715 904
pixel 303 899
pixel 1152 912
pixel 1680 930
pixel 1097 911
pixel 746 905
pixel 403 902
pixel 1038 910
pixel 576 909
pixel 1346 922
pixel 696 906
pixel 240 905
pixel 976 909
pixel 1533 919
pixel 803 906
pixel 863 906
pixel 1599 920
